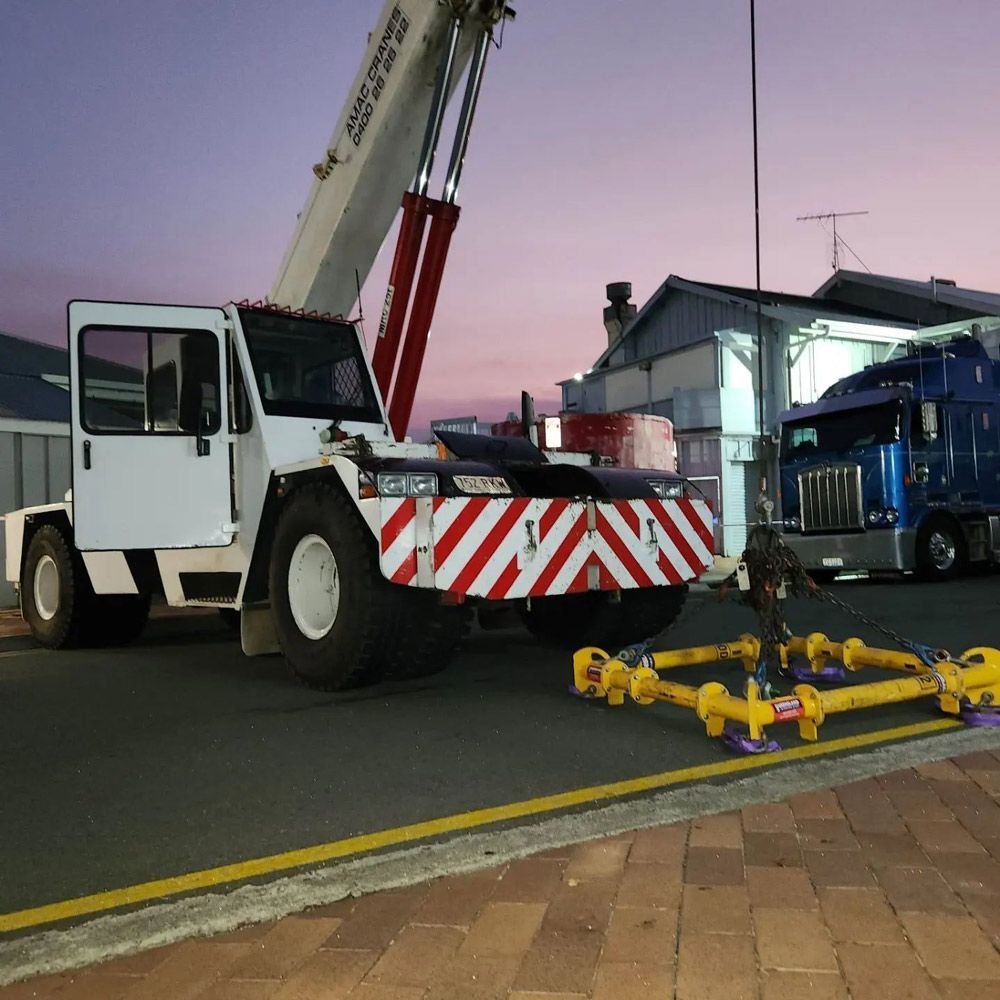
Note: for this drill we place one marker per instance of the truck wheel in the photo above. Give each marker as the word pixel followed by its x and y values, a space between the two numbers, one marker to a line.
pixel 54 593
pixel 940 549
pixel 425 635
pixel 328 596
pixel 577 620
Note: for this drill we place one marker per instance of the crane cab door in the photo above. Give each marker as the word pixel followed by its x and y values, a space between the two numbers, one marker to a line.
pixel 151 463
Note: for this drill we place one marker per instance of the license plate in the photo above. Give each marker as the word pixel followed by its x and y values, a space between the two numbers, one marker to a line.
pixel 492 485
pixel 833 561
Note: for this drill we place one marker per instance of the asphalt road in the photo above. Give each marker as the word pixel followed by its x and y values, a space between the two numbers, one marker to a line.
pixel 177 754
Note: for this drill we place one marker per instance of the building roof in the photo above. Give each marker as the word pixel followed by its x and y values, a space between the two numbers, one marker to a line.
pixel 20 356
pixel 26 397
pixel 977 303
pixel 810 303
pixel 25 393
pixel 781 306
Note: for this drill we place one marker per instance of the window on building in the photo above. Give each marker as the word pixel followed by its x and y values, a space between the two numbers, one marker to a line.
pixel 149 381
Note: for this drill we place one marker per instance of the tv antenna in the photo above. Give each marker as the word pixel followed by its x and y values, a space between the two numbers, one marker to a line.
pixel 838 241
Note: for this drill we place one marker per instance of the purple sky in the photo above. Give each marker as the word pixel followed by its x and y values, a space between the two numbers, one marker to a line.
pixel 160 151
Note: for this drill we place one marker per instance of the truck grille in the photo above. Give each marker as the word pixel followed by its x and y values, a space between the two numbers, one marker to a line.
pixel 831 498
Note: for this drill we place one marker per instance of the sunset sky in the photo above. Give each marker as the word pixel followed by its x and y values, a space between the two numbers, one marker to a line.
pixel 160 152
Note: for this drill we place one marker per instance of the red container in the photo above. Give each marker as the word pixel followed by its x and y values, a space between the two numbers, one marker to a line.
pixel 628 440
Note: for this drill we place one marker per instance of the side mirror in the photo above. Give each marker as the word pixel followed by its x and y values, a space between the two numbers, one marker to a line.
pixel 929 421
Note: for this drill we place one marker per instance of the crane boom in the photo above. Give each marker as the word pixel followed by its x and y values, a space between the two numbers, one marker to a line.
pixel 375 149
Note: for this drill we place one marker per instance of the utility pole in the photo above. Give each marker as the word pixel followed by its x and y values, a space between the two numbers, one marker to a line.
pixel 756 236
pixel 821 218
pixel 765 505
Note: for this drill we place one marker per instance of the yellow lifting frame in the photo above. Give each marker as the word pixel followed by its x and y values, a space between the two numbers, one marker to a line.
pixel 974 676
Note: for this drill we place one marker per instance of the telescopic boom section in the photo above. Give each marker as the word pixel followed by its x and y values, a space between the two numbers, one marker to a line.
pixel 416 205
pixel 444 218
pixel 386 140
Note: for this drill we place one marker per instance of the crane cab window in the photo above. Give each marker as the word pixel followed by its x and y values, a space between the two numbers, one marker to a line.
pixel 149 381
pixel 308 367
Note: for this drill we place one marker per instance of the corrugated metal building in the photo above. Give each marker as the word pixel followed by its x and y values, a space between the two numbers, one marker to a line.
pixel 690 354
pixel 34 428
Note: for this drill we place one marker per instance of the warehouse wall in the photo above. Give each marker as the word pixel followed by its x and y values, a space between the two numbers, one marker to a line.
pixel 632 389
pixel 822 361
pixel 682 318
pixel 34 469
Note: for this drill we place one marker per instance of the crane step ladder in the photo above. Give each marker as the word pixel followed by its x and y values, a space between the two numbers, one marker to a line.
pixel 967 686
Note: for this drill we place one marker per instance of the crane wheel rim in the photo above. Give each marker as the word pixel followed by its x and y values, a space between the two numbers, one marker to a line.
pixel 942 550
pixel 45 588
pixel 313 586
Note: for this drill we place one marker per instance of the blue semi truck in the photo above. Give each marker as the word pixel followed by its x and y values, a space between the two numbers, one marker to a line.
pixel 897 467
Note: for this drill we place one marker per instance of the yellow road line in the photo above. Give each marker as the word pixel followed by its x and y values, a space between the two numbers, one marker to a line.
pixel 242 870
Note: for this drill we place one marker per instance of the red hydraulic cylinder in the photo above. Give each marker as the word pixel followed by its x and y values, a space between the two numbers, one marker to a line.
pixel 397 296
pixel 444 218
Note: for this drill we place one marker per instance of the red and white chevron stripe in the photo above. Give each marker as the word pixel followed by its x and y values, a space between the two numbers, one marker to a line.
pixel 512 547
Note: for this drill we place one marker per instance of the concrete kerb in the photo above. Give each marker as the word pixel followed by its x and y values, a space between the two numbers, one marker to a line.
pixel 161 924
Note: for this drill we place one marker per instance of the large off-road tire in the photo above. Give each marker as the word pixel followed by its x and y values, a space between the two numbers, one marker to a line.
pixel 55 592
pixel 592 619
pixel 60 605
pixel 941 553
pixel 330 603
pixel 426 634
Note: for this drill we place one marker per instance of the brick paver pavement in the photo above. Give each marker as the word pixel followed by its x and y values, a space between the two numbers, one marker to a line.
pixel 884 889
pixel 12 624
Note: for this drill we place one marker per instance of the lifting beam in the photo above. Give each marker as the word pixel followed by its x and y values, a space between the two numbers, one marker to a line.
pixel 966 684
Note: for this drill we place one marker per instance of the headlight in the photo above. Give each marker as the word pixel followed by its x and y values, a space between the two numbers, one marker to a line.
pixel 367 490
pixel 892 515
pixel 874 516
pixel 667 489
pixel 392 484
pixel 423 484
pixel 412 484
pixel 791 523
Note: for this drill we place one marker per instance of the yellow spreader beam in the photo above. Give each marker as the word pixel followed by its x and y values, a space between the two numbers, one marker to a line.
pixel 972 678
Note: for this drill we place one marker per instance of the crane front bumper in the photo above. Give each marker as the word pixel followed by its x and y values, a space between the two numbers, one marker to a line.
pixel 505 548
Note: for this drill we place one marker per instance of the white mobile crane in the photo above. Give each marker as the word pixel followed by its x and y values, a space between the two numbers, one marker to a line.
pixel 251 458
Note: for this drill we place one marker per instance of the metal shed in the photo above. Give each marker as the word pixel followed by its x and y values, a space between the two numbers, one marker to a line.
pixel 690 354
pixel 34 428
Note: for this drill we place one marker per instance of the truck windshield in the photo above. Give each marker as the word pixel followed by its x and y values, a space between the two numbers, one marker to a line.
pixel 839 432
pixel 309 367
